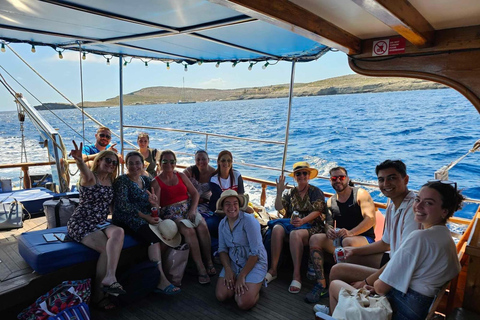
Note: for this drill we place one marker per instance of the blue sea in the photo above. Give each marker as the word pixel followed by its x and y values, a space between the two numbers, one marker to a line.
pixel 426 129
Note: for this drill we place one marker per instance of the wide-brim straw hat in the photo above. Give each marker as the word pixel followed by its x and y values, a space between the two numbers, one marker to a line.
pixel 167 231
pixel 304 166
pixel 242 200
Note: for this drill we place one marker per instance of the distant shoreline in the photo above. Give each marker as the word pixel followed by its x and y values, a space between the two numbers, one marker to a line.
pixel 349 84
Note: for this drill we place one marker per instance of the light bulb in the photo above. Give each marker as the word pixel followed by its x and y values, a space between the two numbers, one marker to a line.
pixel 234 64
pixel 200 62
pixel 218 64
pixel 146 64
pixel 125 63
pixel 186 68
pixel 250 67
pixel 108 61
pixel 33 49
pixel 3 47
pixel 168 66
pixel 265 66
pixel 60 55
pixel 84 56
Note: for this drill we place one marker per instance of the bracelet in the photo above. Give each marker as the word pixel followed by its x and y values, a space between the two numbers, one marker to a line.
pixel 366 282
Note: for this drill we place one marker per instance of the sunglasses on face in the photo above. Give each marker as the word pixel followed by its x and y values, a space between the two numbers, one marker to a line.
pixel 103 135
pixel 340 178
pixel 168 161
pixel 110 161
pixel 226 160
pixel 299 173
pixel 452 183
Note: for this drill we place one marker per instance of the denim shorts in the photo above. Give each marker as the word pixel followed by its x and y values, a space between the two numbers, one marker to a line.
pixel 409 306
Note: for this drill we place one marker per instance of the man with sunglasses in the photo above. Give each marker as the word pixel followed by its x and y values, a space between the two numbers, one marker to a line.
pixel 353 213
pixel 399 223
pixel 102 142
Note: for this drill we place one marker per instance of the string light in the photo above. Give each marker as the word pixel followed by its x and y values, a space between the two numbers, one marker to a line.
pixel 250 67
pixel 200 62
pixel 108 61
pixel 3 47
pixel 84 56
pixel 60 55
pixel 33 49
pixel 125 63
pixel 186 68
pixel 218 64
pixel 265 65
pixel 234 64
pixel 168 65
pixel 146 64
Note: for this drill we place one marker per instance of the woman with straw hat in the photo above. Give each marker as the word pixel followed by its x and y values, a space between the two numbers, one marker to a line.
pixel 133 202
pixel 309 202
pixel 242 253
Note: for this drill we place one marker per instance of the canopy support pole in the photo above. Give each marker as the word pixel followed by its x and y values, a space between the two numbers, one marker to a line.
pixel 120 76
pixel 290 97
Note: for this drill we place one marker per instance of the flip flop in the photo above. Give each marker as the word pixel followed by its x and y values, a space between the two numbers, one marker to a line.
pixel 211 271
pixel 295 287
pixel 203 279
pixel 105 304
pixel 269 278
pixel 114 289
pixel 168 291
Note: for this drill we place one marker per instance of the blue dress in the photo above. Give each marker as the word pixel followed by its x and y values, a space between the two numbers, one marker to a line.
pixel 243 241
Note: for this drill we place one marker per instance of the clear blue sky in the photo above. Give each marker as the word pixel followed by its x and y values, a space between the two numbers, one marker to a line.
pixel 101 81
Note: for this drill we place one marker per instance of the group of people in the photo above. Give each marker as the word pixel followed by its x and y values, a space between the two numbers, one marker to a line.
pixel 203 202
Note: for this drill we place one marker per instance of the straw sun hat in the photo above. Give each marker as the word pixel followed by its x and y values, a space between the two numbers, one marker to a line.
pixel 242 200
pixel 167 231
pixel 304 166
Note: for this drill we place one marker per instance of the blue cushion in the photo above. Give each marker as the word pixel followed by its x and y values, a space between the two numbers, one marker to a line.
pixel 45 257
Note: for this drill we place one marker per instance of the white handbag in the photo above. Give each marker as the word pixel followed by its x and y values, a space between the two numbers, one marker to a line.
pixel 359 305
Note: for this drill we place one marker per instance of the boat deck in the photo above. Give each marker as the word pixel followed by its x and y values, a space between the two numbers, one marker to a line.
pixel 195 300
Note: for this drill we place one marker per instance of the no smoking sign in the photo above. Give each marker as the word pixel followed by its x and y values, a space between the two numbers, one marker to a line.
pixel 387 47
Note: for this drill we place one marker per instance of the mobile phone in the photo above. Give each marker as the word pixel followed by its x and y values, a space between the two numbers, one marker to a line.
pixel 50 237
pixel 60 236
pixel 103 225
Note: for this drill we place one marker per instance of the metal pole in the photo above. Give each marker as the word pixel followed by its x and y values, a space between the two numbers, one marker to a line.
pixel 290 97
pixel 120 66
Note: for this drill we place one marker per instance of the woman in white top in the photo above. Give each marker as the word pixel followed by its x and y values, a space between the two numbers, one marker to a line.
pixel 425 261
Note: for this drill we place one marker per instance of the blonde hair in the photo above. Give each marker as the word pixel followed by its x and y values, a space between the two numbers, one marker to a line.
pixel 103 129
pixel 104 154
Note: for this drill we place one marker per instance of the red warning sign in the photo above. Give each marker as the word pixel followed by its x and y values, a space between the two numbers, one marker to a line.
pixel 388 47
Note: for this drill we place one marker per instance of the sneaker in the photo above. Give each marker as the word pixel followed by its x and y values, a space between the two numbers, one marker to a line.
pixel 316 294
pixel 321 308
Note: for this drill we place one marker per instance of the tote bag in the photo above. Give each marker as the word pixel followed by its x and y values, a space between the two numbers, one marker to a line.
pixel 174 263
pixel 359 305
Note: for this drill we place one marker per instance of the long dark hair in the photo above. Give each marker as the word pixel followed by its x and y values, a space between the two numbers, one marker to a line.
pixel 194 168
pixel 217 171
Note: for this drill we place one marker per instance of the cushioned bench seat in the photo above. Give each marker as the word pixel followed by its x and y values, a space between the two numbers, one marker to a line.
pixel 45 257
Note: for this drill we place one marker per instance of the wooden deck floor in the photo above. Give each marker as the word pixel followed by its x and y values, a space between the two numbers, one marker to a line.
pixel 195 301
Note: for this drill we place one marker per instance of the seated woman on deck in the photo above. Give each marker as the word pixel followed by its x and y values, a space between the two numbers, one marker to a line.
pixel 173 188
pixel 88 224
pixel 242 253
pixel 200 174
pixel 309 202
pixel 149 155
pixel 425 261
pixel 133 202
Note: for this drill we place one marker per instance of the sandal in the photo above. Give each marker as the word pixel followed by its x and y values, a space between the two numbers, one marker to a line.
pixel 114 289
pixel 105 304
pixel 211 271
pixel 203 279
pixel 168 291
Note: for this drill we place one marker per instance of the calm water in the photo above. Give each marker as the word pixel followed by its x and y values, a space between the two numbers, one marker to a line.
pixel 426 129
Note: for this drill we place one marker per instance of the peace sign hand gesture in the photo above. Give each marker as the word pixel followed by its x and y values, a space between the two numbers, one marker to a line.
pixel 152 197
pixel 77 152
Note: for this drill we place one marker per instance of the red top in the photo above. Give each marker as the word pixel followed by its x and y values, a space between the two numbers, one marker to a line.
pixel 172 194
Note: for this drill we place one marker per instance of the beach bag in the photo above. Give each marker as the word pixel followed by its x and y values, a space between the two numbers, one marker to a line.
pixel 261 215
pixel 66 295
pixel 359 305
pixel 11 215
pixel 138 282
pixel 58 212
pixel 174 263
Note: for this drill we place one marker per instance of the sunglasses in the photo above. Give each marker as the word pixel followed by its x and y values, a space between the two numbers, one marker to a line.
pixel 168 161
pixel 103 135
pixel 299 173
pixel 452 183
pixel 226 160
pixel 110 161
pixel 335 178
